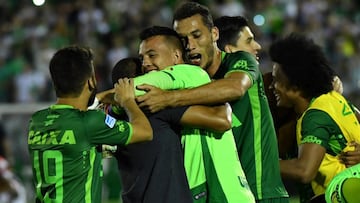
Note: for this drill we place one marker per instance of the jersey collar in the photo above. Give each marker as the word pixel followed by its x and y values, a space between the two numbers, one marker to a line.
pixel 61 106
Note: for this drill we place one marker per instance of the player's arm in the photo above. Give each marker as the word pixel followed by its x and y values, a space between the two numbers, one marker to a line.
pixel 216 118
pixel 124 96
pixel 173 77
pixel 305 167
pixel 155 78
pixel 230 88
pixel 106 97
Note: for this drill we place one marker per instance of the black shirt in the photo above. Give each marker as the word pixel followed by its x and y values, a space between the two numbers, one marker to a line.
pixel 154 171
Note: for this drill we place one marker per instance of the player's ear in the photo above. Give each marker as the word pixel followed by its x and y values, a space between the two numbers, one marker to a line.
pixel 177 56
pixel 215 33
pixel 91 83
pixel 90 86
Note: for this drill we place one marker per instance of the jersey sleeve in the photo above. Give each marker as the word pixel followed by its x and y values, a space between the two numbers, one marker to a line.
pixel 245 62
pixel 104 129
pixel 179 76
pixel 171 115
pixel 158 79
pixel 316 128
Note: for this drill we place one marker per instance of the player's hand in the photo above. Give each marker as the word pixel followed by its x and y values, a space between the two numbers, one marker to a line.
pixel 124 91
pixel 154 100
pixel 106 97
pixel 351 158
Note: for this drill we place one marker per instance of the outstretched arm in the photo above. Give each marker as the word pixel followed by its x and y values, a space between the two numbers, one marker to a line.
pixel 173 77
pixel 233 87
pixel 216 118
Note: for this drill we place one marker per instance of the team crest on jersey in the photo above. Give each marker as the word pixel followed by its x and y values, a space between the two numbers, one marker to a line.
pixel 241 64
pixel 110 121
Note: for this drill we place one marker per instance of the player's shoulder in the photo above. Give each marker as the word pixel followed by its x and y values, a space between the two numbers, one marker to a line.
pixel 185 69
pixel 94 112
pixel 316 117
pixel 240 59
pixel 183 66
pixel 243 55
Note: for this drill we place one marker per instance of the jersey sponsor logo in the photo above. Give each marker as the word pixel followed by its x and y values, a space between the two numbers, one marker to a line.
pixel 200 195
pixel 51 138
pixel 121 126
pixel 311 139
pixel 110 121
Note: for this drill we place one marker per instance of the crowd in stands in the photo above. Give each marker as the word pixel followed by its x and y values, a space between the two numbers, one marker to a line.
pixel 30 34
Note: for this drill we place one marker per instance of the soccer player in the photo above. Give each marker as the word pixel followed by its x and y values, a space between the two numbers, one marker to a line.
pixel 143 166
pixel 63 138
pixel 211 160
pixel 303 80
pixel 232 39
pixel 237 81
pixel 234 36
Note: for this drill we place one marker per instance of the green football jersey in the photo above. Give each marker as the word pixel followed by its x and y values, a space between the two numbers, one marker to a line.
pixel 213 167
pixel 253 129
pixel 319 128
pixel 62 141
pixel 210 159
pixel 175 77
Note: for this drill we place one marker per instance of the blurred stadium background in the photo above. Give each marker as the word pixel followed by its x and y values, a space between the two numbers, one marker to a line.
pixel 31 31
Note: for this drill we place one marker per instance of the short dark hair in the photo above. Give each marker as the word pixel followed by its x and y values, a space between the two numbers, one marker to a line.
pixel 70 68
pixel 127 67
pixel 157 30
pixel 304 63
pixel 189 9
pixel 229 28
pixel 171 36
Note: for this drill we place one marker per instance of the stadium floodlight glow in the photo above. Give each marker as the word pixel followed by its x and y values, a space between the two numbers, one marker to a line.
pixel 38 2
pixel 259 20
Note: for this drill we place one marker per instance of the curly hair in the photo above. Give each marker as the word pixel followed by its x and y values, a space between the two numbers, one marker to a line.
pixel 304 63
